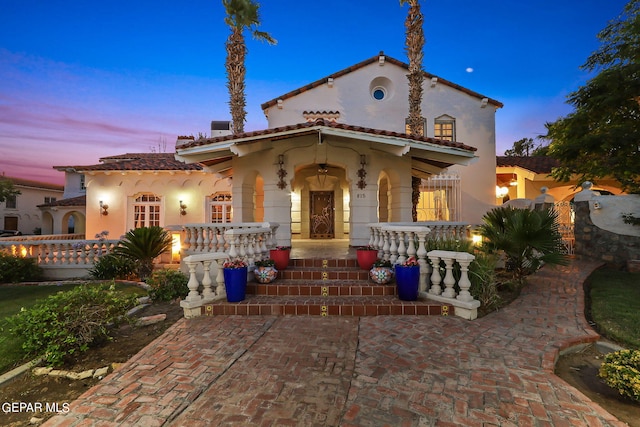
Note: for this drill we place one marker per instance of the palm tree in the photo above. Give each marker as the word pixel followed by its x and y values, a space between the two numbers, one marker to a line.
pixel 241 15
pixel 143 245
pixel 528 238
pixel 414 44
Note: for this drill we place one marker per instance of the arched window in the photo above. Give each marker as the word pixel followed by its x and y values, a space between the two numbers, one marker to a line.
pixel 146 211
pixel 220 208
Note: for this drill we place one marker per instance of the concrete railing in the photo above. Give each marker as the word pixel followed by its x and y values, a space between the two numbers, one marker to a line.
pixel 396 242
pixel 211 265
pixel 210 237
pixel 37 237
pixel 60 259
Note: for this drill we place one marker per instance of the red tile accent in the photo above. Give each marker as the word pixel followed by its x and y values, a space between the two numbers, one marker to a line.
pixel 333 310
pixel 358 310
pixel 302 310
pixel 305 290
pixel 422 310
pixel 315 290
pixel 371 310
pixel 409 310
pixel 435 310
pixel 242 310
pixel 346 310
pixel 314 310
pixel 384 310
pixel 290 309
pixel 396 310
pixel 254 310
pixel 367 290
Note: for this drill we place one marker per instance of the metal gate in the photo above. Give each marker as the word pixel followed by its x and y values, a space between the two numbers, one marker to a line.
pixel 566 217
pixel 321 215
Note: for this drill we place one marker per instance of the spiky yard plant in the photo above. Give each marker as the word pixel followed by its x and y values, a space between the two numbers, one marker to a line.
pixel 528 238
pixel 143 245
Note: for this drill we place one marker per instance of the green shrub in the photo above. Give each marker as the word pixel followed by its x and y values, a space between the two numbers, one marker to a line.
pixel 112 266
pixel 167 285
pixel 14 269
pixel 143 245
pixel 528 238
pixel 484 286
pixel 69 322
pixel 621 371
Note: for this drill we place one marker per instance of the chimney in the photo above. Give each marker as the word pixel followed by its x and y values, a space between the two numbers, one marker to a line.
pixel 220 128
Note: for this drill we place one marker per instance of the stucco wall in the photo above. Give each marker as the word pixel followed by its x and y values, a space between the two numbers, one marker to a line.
pixel 350 95
pixel 28 214
pixel 118 191
pixel 601 233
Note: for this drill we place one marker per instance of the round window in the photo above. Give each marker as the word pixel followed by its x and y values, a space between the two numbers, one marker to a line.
pixel 379 93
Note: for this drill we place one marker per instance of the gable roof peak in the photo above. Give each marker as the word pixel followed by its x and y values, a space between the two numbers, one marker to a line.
pixel 381 58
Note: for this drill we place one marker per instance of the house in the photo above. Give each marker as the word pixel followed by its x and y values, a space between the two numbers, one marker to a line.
pixel 141 189
pixel 21 212
pixel 336 157
pixel 523 177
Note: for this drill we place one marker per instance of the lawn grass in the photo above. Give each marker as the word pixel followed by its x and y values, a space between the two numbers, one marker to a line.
pixel 13 298
pixel 615 305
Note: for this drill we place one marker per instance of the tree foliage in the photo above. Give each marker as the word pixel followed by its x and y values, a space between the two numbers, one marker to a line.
pixel 601 137
pixel 241 15
pixel 7 189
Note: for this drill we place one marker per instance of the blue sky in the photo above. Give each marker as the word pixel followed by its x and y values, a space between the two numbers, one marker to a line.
pixel 81 80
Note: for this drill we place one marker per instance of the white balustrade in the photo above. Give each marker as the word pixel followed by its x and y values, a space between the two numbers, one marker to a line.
pixel 465 305
pixel 81 253
pixel 209 265
pixel 210 237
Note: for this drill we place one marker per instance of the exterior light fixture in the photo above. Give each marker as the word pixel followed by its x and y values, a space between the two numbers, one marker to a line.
pixel 362 173
pixel 104 208
pixel 281 173
pixel 183 208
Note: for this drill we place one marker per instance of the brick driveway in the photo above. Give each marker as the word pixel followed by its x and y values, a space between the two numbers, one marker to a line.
pixel 359 371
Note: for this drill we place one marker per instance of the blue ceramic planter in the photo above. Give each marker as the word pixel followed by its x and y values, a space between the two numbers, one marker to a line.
pixel 235 283
pixel 407 282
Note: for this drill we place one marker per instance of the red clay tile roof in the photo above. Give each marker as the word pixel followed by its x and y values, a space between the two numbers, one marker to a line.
pixel 365 63
pixel 537 164
pixel 137 162
pixel 71 201
pixel 33 184
pixel 329 124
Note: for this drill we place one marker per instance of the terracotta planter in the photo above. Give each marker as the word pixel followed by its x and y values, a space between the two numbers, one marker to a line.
pixel 281 258
pixel 407 282
pixel 366 258
pixel 265 274
pixel 235 283
pixel 381 275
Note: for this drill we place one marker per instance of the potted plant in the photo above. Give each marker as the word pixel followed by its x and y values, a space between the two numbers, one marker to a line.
pixel 381 272
pixel 281 256
pixel 408 279
pixel 366 256
pixel 265 271
pixel 235 279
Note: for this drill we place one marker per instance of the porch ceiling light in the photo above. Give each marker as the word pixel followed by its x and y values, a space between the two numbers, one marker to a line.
pixel 323 170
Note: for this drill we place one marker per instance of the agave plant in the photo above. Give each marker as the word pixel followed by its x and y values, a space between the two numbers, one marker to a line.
pixel 143 245
pixel 528 238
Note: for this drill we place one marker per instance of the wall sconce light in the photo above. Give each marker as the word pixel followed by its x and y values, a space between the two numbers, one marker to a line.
pixel 514 181
pixel 362 173
pixel 183 208
pixel 104 208
pixel 281 172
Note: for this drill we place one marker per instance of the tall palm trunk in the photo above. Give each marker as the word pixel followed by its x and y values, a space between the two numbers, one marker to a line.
pixel 236 71
pixel 414 45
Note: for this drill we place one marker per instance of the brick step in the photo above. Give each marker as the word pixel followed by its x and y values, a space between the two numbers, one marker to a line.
pixel 320 288
pixel 314 273
pixel 327 306
pixel 322 263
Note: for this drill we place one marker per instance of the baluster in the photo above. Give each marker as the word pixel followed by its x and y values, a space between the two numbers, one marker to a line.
pixel 51 247
pixel 192 284
pixel 251 242
pixel 220 290
pixel 193 239
pixel 449 280
pixel 435 274
pixel 207 292
pixel 206 240
pixel 464 259
pixel 393 248
pixel 402 249
pixel 385 246
pixel 421 254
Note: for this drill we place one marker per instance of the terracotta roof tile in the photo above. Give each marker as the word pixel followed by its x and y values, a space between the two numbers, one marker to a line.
pixel 330 124
pixel 537 164
pixel 34 184
pixel 137 162
pixel 366 62
pixel 72 201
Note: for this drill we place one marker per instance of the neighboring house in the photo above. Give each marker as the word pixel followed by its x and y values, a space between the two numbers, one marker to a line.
pixel 144 189
pixel 21 212
pixel 66 216
pixel 336 155
pixel 523 178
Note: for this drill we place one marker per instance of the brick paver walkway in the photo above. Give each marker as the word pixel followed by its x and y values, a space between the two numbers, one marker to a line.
pixel 367 371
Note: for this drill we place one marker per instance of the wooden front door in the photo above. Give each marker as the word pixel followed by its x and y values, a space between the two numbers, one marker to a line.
pixel 321 215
